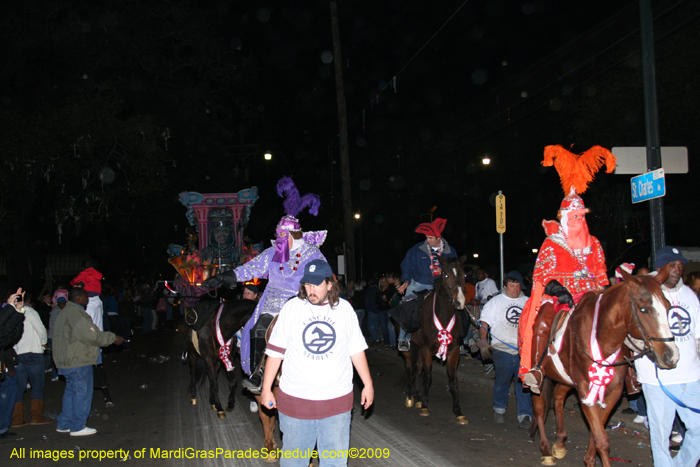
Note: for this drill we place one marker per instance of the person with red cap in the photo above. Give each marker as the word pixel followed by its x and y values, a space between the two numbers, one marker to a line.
pixel 570 261
pixel 421 267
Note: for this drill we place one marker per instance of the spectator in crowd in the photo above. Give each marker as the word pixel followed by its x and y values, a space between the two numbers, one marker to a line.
pixel 30 353
pixel 693 282
pixel 420 267
pixel 315 397
pixel 683 381
pixel 372 311
pixel 111 306
pixel 385 296
pixel 485 287
pixel 127 312
pixel 77 340
pixel 55 311
pixel 11 327
pixel 145 300
pixel 358 301
pixel 500 317
pixel 250 292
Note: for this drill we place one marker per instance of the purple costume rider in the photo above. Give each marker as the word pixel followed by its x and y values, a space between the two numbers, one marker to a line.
pixel 284 268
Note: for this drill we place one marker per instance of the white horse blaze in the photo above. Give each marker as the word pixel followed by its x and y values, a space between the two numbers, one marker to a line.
pixel 460 292
pixel 664 330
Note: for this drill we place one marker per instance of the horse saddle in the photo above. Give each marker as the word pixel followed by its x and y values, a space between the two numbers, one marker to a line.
pixel 408 312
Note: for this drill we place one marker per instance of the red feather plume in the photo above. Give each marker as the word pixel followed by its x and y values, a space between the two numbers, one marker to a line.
pixel 577 171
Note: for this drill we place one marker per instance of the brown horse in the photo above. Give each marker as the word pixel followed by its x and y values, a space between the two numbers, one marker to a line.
pixel 268 416
pixel 442 304
pixel 633 312
pixel 203 348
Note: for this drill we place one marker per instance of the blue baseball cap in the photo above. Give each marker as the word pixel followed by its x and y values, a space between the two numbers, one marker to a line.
pixel 515 275
pixel 61 299
pixel 316 272
pixel 668 254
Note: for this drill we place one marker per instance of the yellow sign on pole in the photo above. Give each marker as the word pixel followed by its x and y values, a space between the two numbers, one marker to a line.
pixel 501 213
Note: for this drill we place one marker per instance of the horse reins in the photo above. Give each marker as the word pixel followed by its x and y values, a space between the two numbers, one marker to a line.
pixel 640 326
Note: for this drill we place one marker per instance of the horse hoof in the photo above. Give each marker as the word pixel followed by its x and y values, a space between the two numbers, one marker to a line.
pixel 221 414
pixel 213 407
pixel 193 401
pixel 229 408
pixel 559 453
pixel 548 460
pixel 409 402
pixel 419 404
pixel 462 420
pixel 424 412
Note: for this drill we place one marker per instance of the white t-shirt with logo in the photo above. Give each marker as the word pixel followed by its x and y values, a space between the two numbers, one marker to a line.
pixel 502 314
pixel 684 320
pixel 316 343
pixel 485 289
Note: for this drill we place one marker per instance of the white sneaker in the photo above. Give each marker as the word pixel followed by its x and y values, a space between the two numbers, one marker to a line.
pixel 87 431
pixel 639 419
pixel 676 437
pixel 253 406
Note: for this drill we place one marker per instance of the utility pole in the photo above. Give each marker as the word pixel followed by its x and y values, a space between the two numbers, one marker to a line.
pixel 348 230
pixel 651 113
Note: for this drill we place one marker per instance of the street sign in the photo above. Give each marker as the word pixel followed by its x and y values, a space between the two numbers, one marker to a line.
pixel 633 160
pixel 501 213
pixel 648 186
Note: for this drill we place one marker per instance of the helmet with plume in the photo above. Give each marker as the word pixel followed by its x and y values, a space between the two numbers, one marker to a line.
pixel 293 204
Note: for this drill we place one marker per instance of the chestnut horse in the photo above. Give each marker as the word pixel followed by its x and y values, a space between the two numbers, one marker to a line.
pixel 633 312
pixel 441 307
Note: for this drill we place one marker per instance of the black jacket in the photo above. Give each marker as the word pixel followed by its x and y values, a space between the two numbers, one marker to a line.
pixel 11 329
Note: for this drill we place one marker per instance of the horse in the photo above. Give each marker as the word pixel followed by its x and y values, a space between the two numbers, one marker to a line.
pixel 633 314
pixel 441 306
pixel 203 345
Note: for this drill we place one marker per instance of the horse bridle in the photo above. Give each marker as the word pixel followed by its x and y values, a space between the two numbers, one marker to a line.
pixel 449 298
pixel 646 338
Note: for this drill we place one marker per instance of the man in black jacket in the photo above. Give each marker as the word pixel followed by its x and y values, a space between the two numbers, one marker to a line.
pixel 11 328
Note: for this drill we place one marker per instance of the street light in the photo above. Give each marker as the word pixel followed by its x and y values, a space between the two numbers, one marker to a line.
pixel 472 165
pixel 268 156
pixel 362 256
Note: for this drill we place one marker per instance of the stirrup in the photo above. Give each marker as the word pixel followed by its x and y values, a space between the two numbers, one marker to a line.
pixel 530 380
pixel 254 383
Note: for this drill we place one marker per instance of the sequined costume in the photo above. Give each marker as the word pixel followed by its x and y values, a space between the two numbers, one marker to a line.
pixel 283 281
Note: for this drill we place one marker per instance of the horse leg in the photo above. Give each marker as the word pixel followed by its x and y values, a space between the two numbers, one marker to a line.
pixel 195 373
pixel 540 408
pixel 559 448
pixel 597 417
pixel 213 365
pixel 232 383
pixel 427 370
pixel 267 418
pixel 452 363
pixel 409 366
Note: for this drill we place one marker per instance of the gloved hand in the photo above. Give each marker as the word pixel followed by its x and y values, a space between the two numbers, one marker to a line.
pixel 555 289
pixel 225 279
pixel 484 349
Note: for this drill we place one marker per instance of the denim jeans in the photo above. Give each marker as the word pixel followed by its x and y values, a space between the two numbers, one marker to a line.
pixel 638 404
pixel 387 328
pixel 373 326
pixel 412 288
pixel 662 411
pixel 31 367
pixel 8 394
pixel 77 398
pixel 506 368
pixel 330 434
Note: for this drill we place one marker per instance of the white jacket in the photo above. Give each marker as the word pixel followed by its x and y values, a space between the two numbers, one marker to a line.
pixel 34 335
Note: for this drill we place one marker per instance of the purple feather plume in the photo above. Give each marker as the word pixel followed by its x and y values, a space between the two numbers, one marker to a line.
pixel 293 203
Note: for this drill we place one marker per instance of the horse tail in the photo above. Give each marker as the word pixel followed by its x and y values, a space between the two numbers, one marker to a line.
pixel 546 395
pixel 199 371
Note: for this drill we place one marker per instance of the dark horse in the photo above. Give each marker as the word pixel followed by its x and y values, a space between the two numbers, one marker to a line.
pixel 633 312
pixel 203 344
pixel 442 303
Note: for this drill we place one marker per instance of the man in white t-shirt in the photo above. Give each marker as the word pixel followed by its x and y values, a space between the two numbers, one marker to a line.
pixel 319 338
pixel 683 381
pixel 501 316
pixel 485 287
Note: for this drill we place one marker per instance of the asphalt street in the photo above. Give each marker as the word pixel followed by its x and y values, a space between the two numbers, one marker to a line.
pixel 152 412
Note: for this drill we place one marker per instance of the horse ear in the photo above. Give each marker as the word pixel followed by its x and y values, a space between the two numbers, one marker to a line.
pixel 663 274
pixel 629 277
pixel 442 260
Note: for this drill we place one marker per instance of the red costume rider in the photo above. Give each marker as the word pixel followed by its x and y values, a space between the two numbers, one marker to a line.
pixel 569 255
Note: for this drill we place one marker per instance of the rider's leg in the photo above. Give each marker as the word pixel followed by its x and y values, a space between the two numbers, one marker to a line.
pixel 405 337
pixel 257 353
pixel 540 340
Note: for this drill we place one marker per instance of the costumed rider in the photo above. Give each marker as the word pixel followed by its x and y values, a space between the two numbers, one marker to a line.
pixel 283 266
pixel 570 261
pixel 421 267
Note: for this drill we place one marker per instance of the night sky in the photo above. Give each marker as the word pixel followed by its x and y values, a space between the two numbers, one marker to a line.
pixel 472 79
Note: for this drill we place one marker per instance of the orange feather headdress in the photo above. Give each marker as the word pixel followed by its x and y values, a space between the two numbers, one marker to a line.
pixel 577 171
